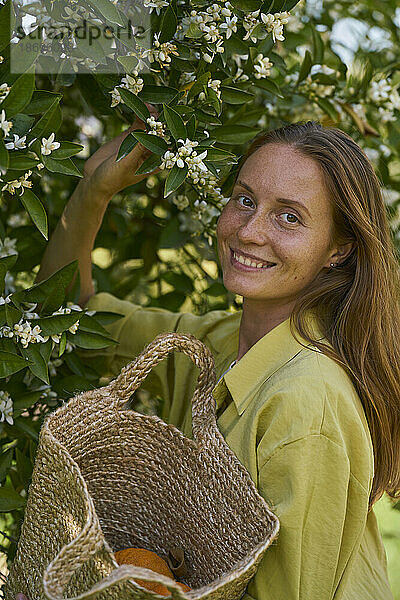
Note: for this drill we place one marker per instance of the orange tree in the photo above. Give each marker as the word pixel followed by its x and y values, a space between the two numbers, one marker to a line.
pixel 218 73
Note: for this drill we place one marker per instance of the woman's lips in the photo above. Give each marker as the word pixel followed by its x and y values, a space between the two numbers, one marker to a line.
pixel 242 267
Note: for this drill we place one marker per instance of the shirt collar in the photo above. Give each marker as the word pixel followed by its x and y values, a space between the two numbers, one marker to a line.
pixel 265 357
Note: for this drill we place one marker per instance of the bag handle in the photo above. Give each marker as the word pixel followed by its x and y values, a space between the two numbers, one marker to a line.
pixel 133 375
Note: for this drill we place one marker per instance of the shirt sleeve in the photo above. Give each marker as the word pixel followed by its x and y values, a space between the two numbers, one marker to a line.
pixel 137 327
pixel 307 484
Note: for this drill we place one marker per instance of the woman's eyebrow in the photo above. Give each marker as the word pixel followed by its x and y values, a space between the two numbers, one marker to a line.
pixel 280 200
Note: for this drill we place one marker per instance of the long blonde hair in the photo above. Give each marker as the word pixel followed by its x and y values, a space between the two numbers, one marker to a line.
pixel 357 302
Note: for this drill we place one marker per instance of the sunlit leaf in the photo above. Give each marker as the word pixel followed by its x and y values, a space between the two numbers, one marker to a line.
pixel 36 211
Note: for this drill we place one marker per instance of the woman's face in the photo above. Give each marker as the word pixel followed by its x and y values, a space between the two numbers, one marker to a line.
pixel 279 212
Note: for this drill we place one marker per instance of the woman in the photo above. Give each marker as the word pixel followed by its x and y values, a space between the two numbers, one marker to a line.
pixel 310 405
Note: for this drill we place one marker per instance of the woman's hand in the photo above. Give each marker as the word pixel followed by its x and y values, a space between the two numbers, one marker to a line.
pixel 106 176
pixel 21 597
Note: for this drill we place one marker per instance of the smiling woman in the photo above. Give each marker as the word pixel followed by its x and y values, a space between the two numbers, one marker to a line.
pixel 279 216
pixel 308 372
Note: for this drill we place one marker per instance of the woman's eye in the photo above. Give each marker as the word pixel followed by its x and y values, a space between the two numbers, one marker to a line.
pixel 242 196
pixel 291 218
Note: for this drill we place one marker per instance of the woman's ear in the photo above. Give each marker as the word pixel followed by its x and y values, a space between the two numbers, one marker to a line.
pixel 340 254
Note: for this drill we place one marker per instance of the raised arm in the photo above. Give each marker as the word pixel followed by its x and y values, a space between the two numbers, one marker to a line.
pixel 80 222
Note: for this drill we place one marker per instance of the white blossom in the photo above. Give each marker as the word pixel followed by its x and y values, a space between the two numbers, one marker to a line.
pixel 157 4
pixel 157 128
pixel 181 201
pixel 4 124
pixel 21 183
pixel 115 97
pixel 18 144
pixel 230 25
pixel 8 247
pixel 6 407
pixel 160 52
pixel 262 66
pixel 4 91
pixel 380 90
pixel 26 334
pixel 133 83
pixel 48 145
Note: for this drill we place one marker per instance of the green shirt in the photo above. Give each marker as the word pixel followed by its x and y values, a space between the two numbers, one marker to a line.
pixel 293 418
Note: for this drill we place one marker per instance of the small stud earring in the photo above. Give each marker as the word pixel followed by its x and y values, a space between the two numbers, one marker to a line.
pixel 332 264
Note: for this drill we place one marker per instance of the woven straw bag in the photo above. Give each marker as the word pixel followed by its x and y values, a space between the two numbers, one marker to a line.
pixel 106 478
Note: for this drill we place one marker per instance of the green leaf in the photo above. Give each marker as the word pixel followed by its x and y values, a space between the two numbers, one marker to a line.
pixel 66 150
pixel 238 134
pixel 22 124
pixel 205 117
pixel 128 62
pixel 13 315
pixel 72 386
pixel 199 85
pixel 38 365
pixel 10 500
pixel 25 425
pixel 194 31
pixel 175 178
pixel 149 165
pixel 25 52
pixel 21 162
pixel 4 158
pixel 151 142
pixel 172 236
pixel 41 291
pixel 92 341
pixel 157 94
pixel 11 363
pixel 5 462
pixel 247 5
pixel 126 147
pixel 7 23
pixel 63 344
pixel 218 155
pixel 305 67
pixel 191 127
pixel 89 324
pixel 57 323
pixel 179 281
pixel 108 10
pixel 94 94
pixel 36 211
pixel 42 101
pixel 232 95
pixel 216 289
pixel 6 263
pixel 50 122
pixel 318 46
pixel 106 318
pixel 175 123
pixel 24 467
pixel 66 166
pixel 289 4
pixel 329 108
pixel 25 401
pixel 135 103
pixel 270 86
pixel 168 26
pixel 20 94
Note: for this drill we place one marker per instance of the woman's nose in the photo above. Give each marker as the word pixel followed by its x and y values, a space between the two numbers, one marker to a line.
pixel 254 229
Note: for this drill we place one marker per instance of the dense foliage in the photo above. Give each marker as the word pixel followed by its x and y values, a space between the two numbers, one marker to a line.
pixel 218 73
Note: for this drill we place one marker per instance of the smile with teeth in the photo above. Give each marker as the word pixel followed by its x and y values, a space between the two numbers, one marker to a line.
pixel 249 263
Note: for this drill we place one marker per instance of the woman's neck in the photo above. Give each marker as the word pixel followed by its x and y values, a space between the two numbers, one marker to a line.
pixel 257 322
